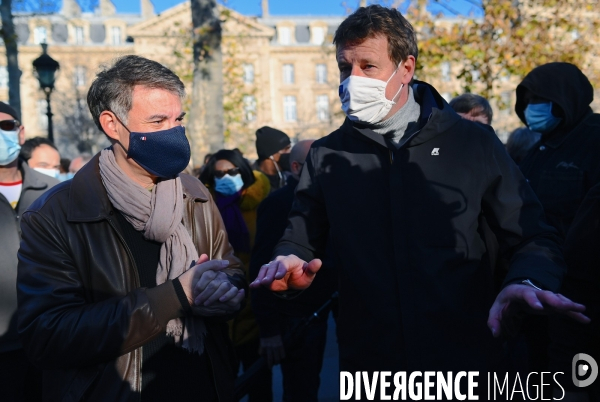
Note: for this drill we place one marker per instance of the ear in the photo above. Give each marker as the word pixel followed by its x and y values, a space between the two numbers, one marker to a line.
pixel 109 124
pixel 21 135
pixel 295 168
pixel 408 69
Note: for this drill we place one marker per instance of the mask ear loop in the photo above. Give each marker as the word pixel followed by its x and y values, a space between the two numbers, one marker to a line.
pixel 401 86
pixel 278 171
pixel 128 130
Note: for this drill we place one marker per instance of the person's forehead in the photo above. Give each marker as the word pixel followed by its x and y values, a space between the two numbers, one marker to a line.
pixel 6 116
pixel 45 151
pixel 224 164
pixel 154 99
pixel 375 47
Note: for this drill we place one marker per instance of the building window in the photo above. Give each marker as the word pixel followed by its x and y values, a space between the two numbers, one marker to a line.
pixel 42 109
pixel 40 35
pixel 249 108
pixel 446 71
pixel 79 35
pixel 285 35
pixel 80 73
pixel 116 35
pixel 318 35
pixel 249 73
pixel 288 73
pixel 321 73
pixel 289 108
pixel 323 108
pixel 3 77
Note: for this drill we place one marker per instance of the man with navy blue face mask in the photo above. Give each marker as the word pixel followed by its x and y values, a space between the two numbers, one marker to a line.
pixel 126 275
pixel 554 99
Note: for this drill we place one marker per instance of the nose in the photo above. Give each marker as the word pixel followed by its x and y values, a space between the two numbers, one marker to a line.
pixel 356 70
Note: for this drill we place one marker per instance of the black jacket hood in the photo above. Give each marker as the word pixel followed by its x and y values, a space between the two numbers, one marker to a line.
pixel 562 83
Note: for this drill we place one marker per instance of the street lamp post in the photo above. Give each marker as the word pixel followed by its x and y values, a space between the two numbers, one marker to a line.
pixel 45 68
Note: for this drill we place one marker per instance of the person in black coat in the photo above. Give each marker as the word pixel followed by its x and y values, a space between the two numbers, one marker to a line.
pixel 400 189
pixel 278 317
pixel 562 168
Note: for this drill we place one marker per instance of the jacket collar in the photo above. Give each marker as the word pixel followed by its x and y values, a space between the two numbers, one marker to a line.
pixel 436 117
pixel 556 140
pixel 89 202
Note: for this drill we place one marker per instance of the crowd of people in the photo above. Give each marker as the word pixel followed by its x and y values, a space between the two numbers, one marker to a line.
pixel 122 277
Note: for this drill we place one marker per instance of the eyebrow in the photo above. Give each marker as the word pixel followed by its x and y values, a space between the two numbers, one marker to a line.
pixel 163 116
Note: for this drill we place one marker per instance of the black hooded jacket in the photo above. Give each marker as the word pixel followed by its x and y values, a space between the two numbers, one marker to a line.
pixel 406 231
pixel 564 171
pixel 564 165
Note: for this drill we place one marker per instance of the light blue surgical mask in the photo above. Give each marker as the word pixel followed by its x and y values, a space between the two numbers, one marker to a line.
pixel 229 185
pixel 65 176
pixel 539 117
pixel 9 146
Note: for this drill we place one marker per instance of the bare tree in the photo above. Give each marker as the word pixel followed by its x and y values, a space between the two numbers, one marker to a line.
pixel 7 32
pixel 206 114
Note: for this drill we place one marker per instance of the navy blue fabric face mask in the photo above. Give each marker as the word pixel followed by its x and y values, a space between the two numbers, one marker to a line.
pixel 163 153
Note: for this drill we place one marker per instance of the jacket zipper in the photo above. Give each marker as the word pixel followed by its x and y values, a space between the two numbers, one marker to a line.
pixel 137 284
pixel 407 140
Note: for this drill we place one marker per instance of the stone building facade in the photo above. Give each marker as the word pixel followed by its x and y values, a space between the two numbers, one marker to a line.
pixel 279 71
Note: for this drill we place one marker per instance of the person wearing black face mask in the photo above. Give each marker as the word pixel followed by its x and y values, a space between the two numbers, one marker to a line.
pixel 126 274
pixel 273 148
pixel 554 99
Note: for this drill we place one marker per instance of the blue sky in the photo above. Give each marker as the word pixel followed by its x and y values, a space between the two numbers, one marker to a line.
pixel 279 7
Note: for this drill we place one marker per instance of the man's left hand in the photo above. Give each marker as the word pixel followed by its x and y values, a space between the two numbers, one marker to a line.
pixel 517 298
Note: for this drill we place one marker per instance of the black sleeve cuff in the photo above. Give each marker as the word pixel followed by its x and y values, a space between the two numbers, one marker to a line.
pixel 185 304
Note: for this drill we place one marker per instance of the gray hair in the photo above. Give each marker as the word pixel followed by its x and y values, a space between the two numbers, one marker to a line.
pixel 113 87
pixel 471 103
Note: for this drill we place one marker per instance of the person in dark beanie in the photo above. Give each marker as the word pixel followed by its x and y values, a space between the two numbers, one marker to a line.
pixel 20 185
pixel 273 148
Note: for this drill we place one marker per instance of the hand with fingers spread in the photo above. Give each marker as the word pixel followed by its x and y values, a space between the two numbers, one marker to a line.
pixel 272 349
pixel 209 290
pixel 517 299
pixel 289 272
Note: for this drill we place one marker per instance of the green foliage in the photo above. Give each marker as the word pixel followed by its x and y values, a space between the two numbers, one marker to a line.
pixel 508 41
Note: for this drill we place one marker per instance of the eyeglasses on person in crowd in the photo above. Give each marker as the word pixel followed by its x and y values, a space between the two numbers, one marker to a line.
pixel 9 125
pixel 231 172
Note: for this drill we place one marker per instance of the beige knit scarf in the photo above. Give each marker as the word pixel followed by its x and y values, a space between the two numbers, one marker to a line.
pixel 158 214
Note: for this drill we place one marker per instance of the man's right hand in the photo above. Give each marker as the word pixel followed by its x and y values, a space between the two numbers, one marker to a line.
pixel 209 291
pixel 288 272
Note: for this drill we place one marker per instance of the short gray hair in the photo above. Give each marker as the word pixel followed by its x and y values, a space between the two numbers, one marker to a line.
pixel 113 87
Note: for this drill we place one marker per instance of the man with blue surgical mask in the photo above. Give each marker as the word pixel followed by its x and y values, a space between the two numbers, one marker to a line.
pixel 20 185
pixel 554 99
pixel 401 189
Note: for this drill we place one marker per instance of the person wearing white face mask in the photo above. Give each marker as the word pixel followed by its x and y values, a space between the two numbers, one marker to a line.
pixel 401 188
pixel 41 155
pixel 19 187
